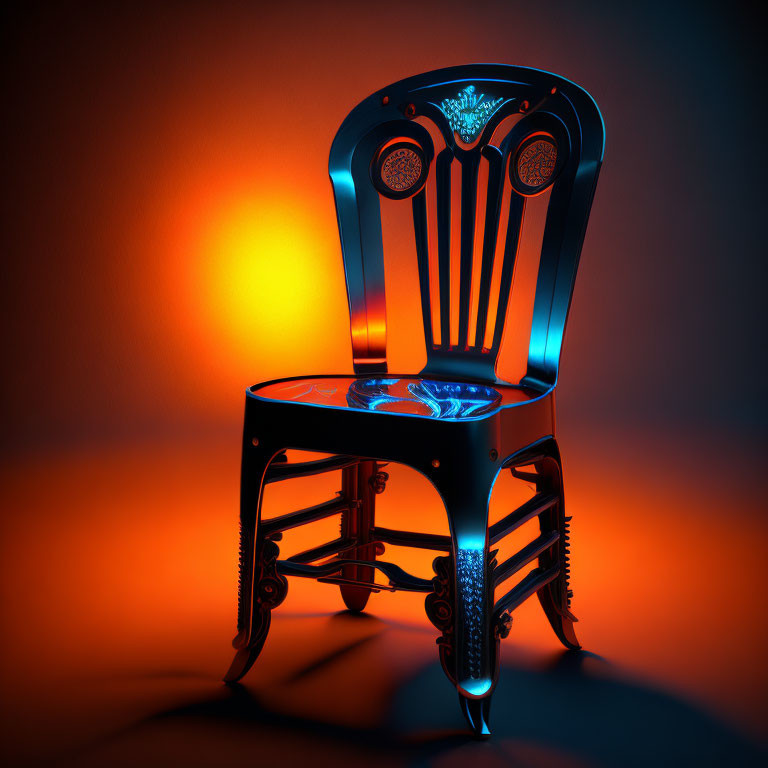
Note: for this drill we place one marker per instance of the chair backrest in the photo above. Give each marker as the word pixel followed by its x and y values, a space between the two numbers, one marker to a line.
pixel 537 135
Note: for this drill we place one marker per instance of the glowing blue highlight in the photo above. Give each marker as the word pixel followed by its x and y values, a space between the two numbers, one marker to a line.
pixel 445 400
pixel 476 687
pixel 470 583
pixel 476 543
pixel 469 112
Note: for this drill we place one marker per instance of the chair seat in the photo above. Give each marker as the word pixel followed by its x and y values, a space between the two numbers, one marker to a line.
pixel 413 396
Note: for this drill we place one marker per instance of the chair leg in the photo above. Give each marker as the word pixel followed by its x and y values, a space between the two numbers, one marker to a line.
pixel 261 587
pixel 461 604
pixel 360 484
pixel 477 713
pixel 555 597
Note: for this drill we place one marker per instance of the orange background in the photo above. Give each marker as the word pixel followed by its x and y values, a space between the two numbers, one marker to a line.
pixel 171 239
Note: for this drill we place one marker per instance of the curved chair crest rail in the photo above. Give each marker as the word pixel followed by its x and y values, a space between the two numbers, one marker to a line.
pixel 536 135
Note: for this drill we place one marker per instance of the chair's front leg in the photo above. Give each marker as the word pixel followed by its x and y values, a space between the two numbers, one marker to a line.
pixel 476 642
pixel 261 587
pixel 462 603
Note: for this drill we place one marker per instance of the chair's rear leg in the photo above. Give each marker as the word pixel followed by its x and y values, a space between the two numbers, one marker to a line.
pixel 360 484
pixel 555 597
pixel 261 588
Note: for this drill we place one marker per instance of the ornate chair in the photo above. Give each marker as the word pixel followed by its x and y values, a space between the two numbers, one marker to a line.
pixel 455 422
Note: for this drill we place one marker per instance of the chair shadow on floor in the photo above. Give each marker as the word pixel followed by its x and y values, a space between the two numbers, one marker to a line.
pixel 578 710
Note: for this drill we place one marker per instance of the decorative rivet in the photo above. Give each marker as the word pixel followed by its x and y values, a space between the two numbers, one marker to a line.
pixel 410 110
pixel 385 100
pixel 435 463
pixel 524 105
pixel 504 625
pixel 254 441
pixel 494 454
pixel 379 481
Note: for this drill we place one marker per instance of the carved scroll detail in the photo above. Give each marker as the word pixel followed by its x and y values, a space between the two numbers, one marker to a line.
pixel 271 586
pixel 439 607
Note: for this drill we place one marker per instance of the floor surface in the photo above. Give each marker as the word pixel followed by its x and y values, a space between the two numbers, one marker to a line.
pixel 118 598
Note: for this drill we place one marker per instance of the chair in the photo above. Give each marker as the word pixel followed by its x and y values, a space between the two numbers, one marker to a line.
pixel 456 422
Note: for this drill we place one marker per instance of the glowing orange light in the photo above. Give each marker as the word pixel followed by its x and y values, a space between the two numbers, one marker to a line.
pixel 265 274
pixel 262 273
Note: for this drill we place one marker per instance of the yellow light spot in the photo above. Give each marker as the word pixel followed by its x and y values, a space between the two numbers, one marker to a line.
pixel 267 273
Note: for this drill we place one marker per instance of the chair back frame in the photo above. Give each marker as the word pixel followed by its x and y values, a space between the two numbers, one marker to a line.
pixel 538 133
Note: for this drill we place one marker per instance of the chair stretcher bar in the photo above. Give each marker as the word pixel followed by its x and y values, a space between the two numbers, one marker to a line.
pixel 398 578
pixel 304 516
pixel 287 471
pixel 527 554
pixel 410 539
pixel 354 583
pixel 324 550
pixel 531 584
pixel 528 477
pixel 524 460
pixel 541 502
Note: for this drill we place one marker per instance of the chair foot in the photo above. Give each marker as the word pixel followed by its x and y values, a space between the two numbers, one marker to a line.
pixel 560 619
pixel 260 593
pixel 567 635
pixel 244 659
pixel 247 654
pixel 476 712
pixel 355 598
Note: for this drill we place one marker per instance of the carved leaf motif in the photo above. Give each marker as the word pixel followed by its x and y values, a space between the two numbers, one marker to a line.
pixel 469 112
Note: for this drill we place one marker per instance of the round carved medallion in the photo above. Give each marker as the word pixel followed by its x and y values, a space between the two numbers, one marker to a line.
pixel 535 164
pixel 400 170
